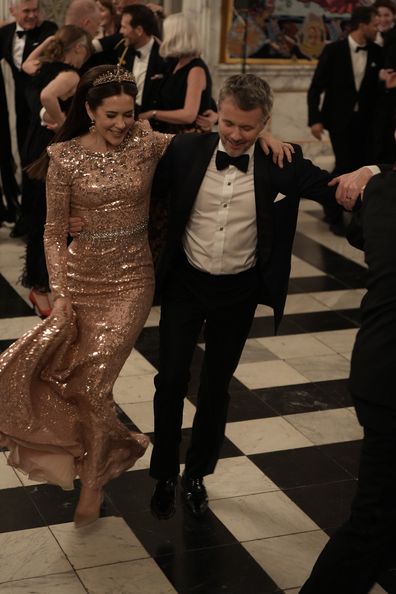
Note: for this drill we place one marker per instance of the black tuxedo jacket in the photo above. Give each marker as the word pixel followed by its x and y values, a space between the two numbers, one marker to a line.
pixel 374 353
pixel 156 68
pixel 179 176
pixel 33 39
pixel 334 77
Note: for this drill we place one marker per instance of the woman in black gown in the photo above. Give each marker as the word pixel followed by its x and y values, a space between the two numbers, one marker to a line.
pixel 52 88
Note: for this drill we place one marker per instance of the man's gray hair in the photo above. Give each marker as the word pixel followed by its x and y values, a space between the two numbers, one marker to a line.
pixel 248 91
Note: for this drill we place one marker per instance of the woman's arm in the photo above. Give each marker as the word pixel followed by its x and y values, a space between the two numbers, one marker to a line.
pixel 196 83
pixel 58 191
pixel 32 62
pixel 61 87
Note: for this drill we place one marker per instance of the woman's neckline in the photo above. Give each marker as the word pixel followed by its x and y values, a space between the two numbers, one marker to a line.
pixel 116 149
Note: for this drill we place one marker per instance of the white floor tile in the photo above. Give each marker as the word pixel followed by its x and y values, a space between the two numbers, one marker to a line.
pixel 267 374
pixel 327 426
pixel 135 388
pixel 136 364
pixel 132 577
pixel 265 435
pixel 255 352
pixel 300 268
pixel 321 367
pixel 30 553
pixel 303 303
pixel 141 413
pixel 261 516
pixel 341 341
pixel 288 559
pixel 237 476
pixel 348 299
pixel 109 540
pixel 298 345
pixel 60 583
pixel 8 476
pixel 11 328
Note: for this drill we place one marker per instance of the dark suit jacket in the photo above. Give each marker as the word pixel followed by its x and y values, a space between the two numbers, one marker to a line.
pixel 374 354
pixel 334 77
pixel 179 176
pixel 33 39
pixel 156 69
pixel 22 80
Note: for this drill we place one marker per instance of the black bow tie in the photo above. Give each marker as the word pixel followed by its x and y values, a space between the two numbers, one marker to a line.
pixel 223 160
pixel 361 48
pixel 136 53
pixel 21 33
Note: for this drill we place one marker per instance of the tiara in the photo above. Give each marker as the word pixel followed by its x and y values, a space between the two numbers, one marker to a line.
pixel 120 75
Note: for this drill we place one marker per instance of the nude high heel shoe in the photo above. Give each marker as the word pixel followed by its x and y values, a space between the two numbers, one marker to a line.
pixel 88 507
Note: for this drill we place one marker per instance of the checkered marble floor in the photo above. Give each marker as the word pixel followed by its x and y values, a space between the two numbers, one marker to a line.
pixel 288 467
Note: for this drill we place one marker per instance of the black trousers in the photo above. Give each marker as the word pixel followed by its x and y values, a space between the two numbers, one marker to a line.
pixel 362 549
pixel 226 304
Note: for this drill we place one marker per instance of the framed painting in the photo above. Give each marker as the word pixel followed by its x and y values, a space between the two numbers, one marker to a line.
pixel 282 31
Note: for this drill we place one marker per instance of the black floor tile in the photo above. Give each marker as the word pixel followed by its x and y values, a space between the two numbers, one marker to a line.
pixel 57 506
pixel 219 570
pixel 315 284
pixel 286 400
pixel 326 504
pixel 299 467
pixel 4 344
pixel 321 321
pixel 11 304
pixel 328 261
pixel 336 391
pixel 264 326
pixel 130 495
pixel 345 454
pixel 228 449
pixel 244 404
pixel 17 511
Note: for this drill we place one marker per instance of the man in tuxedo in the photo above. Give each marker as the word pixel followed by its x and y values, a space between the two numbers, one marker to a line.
pixel 141 54
pixel 17 41
pixel 347 75
pixel 231 224
pixel 361 551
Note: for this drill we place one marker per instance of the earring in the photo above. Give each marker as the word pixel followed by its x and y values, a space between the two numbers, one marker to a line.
pixel 92 128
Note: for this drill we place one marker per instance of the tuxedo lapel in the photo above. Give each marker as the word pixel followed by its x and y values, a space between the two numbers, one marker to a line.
pixel 8 44
pixel 346 63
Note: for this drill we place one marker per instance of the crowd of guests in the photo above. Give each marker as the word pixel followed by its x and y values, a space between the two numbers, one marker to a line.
pixel 353 94
pixel 228 248
pixel 173 82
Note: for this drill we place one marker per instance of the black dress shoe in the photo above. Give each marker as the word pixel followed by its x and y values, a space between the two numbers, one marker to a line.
pixel 163 500
pixel 195 495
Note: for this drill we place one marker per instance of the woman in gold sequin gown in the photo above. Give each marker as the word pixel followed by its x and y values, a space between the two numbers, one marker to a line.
pixel 57 414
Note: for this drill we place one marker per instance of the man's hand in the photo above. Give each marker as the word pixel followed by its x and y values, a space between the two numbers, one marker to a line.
pixel 350 186
pixel 279 149
pixel 317 130
pixel 76 225
pixel 207 120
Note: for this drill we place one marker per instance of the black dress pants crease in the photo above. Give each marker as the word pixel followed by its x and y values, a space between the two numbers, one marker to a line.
pixel 226 305
pixel 357 554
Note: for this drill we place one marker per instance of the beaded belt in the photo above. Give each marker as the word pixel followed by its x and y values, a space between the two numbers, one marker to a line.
pixel 114 233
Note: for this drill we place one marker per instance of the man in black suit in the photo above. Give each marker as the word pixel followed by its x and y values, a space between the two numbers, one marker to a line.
pixel 140 53
pixel 17 41
pixel 361 551
pixel 347 75
pixel 231 224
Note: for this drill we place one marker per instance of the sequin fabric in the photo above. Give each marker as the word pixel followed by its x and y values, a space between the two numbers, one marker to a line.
pixel 57 413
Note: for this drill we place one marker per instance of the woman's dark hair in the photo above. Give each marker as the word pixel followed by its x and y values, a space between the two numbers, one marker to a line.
pixel 77 121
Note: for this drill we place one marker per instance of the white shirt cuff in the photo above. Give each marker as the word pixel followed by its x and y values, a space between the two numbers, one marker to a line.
pixel 97 45
pixel 374 169
pixel 42 114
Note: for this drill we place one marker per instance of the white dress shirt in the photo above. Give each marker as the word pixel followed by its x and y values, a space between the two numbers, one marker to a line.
pixel 359 62
pixel 221 235
pixel 18 47
pixel 140 65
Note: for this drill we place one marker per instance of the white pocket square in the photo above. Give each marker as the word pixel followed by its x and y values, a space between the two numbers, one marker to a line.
pixel 279 197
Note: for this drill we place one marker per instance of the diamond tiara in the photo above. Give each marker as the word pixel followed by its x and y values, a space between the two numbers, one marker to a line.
pixel 119 75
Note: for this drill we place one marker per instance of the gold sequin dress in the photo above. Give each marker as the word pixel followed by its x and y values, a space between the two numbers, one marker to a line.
pixel 57 414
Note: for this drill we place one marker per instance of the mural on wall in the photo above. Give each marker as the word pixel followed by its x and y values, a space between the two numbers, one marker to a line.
pixel 282 30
